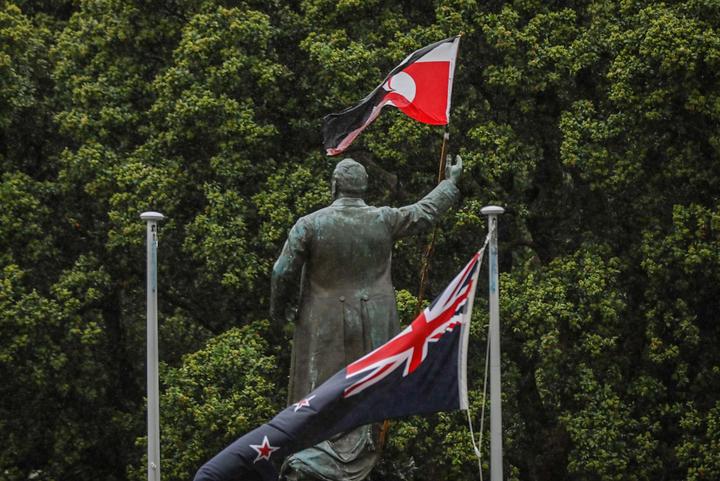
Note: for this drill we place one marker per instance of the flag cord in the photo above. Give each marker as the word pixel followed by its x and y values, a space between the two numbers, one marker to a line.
pixel 477 447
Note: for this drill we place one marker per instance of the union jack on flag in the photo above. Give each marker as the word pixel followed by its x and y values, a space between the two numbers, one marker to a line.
pixel 421 370
pixel 410 348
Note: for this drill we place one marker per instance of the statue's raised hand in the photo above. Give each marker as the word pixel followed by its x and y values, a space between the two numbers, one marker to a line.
pixel 453 171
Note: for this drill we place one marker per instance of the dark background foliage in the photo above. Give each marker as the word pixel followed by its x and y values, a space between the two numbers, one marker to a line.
pixel 594 122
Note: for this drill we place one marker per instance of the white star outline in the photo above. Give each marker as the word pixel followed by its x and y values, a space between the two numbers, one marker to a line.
pixel 303 403
pixel 264 450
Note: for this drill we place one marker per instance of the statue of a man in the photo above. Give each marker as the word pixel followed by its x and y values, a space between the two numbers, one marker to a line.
pixel 339 258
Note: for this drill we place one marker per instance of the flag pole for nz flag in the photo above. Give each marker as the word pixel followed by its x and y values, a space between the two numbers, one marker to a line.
pixel 496 457
pixel 153 388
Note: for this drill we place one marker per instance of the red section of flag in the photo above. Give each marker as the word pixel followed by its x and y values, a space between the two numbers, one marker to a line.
pixel 430 103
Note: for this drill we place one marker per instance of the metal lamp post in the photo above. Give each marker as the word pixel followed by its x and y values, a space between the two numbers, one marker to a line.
pixel 153 388
pixel 496 463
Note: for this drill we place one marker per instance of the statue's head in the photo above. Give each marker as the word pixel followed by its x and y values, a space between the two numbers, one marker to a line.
pixel 349 178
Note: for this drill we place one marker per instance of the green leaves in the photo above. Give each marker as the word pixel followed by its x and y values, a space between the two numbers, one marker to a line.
pixel 57 384
pixel 19 55
pixel 227 388
pixel 594 124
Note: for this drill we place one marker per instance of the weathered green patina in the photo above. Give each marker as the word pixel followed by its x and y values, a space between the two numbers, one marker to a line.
pixel 340 259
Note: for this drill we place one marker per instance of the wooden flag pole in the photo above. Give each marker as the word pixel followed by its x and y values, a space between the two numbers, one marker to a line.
pixel 431 245
pixel 425 262
pixel 429 249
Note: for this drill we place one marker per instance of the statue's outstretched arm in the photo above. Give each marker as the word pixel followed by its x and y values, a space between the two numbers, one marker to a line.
pixel 420 216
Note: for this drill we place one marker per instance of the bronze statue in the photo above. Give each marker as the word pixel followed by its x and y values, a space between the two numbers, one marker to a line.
pixel 339 258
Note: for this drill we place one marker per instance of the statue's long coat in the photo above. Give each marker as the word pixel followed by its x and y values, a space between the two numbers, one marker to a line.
pixel 347 305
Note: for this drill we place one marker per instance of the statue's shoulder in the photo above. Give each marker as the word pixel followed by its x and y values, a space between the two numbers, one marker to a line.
pixel 309 220
pixel 315 215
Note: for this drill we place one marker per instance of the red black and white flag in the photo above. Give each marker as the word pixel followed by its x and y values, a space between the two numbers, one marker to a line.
pixel 422 370
pixel 421 87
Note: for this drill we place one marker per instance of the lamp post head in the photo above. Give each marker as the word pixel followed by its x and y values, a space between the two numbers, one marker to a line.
pixel 151 215
pixel 492 210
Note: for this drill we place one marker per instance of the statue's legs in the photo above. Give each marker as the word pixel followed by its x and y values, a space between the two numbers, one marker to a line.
pixel 347 457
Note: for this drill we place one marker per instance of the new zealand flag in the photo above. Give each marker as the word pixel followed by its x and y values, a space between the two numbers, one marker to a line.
pixel 419 371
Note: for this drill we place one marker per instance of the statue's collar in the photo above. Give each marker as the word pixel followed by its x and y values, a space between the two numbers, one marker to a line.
pixel 349 202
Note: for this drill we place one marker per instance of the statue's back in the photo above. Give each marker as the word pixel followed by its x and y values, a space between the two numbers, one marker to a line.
pixel 350 252
pixel 347 304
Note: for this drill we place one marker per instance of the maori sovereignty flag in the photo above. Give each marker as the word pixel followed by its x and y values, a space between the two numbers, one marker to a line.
pixel 419 371
pixel 421 87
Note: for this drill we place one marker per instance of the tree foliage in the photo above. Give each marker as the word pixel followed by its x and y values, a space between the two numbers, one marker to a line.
pixel 594 123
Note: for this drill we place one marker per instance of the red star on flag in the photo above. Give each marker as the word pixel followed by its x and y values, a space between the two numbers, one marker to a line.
pixel 304 403
pixel 264 450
